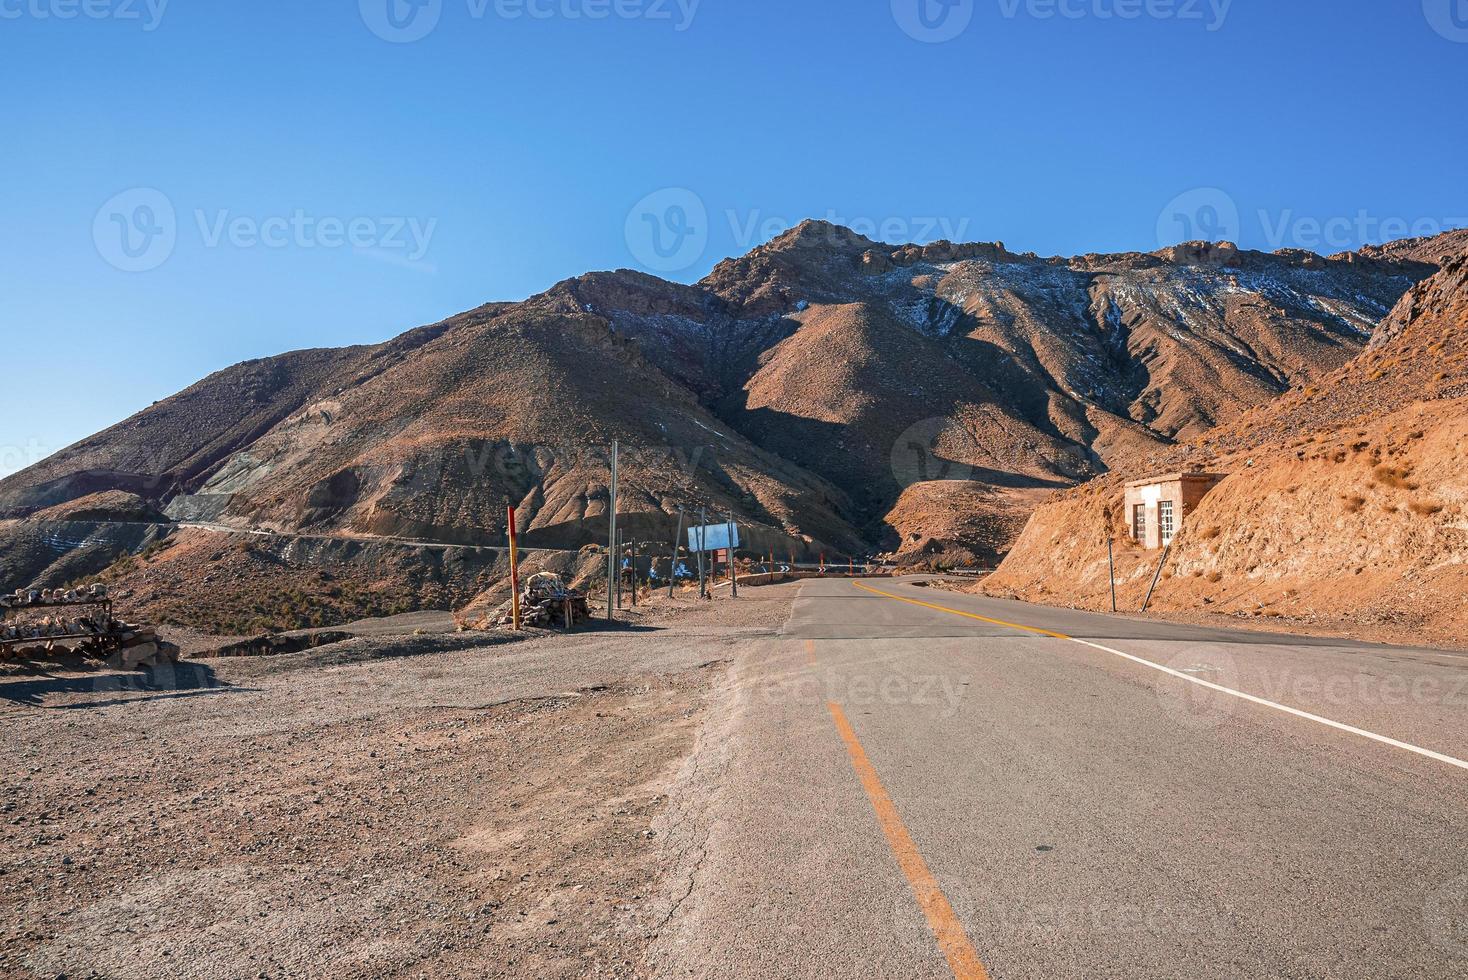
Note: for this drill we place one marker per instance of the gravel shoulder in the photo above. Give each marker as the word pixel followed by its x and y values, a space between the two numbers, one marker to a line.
pixel 433 804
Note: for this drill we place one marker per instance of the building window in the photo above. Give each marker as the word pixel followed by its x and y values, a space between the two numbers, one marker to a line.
pixel 1165 522
pixel 1139 523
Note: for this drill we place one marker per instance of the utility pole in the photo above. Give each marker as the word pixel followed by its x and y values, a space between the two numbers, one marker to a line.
pixel 514 572
pixel 673 565
pixel 612 572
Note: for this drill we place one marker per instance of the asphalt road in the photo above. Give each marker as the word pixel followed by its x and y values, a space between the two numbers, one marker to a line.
pixel 896 790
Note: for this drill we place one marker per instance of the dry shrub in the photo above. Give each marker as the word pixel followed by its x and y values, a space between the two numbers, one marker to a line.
pixel 1354 503
pixel 1394 476
pixel 1211 532
pixel 1215 577
pixel 1425 508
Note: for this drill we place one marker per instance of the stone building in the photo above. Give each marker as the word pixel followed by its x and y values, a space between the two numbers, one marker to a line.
pixel 1156 507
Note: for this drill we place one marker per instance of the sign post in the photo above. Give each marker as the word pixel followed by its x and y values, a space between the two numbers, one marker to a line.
pixel 710 539
pixel 612 570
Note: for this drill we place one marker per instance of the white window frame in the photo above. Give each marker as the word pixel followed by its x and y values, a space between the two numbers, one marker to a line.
pixel 1166 521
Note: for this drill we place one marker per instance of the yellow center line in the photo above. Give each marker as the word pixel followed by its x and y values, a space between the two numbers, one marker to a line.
pixel 958 612
pixel 946 928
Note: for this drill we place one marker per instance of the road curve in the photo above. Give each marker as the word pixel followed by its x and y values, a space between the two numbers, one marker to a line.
pixel 908 782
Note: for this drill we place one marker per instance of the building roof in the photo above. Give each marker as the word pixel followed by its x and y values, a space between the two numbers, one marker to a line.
pixel 1177 478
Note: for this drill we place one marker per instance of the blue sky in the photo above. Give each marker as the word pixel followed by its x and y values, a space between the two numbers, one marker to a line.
pixel 187 184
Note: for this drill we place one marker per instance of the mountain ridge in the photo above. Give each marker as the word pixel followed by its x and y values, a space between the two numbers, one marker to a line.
pixel 834 393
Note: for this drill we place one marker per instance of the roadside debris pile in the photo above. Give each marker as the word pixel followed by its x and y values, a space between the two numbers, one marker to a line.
pixel 42 623
pixel 545 600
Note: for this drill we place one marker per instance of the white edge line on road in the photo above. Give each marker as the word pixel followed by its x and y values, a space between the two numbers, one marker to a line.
pixel 1264 702
pixel 1383 739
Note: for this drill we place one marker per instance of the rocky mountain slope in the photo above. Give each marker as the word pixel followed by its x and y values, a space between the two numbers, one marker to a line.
pixel 1347 506
pixel 836 395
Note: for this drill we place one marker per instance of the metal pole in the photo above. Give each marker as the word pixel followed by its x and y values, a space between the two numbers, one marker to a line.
pixel 514 574
pixel 733 565
pixel 1111 563
pixel 634 571
pixel 612 539
pixel 1155 578
pixel 703 523
pixel 673 564
pixel 621 547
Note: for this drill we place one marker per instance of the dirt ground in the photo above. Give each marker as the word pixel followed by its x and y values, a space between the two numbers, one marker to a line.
pixel 391 806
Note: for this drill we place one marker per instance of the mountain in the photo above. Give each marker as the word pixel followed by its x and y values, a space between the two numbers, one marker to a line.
pixel 834 394
pixel 1346 507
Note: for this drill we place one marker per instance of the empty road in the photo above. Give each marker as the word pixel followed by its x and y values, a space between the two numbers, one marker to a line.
pixel 908 782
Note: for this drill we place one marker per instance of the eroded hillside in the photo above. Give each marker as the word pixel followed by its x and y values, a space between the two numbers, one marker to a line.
pixel 1347 506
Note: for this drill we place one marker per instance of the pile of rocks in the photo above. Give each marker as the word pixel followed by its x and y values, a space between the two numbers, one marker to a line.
pixel 545 600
